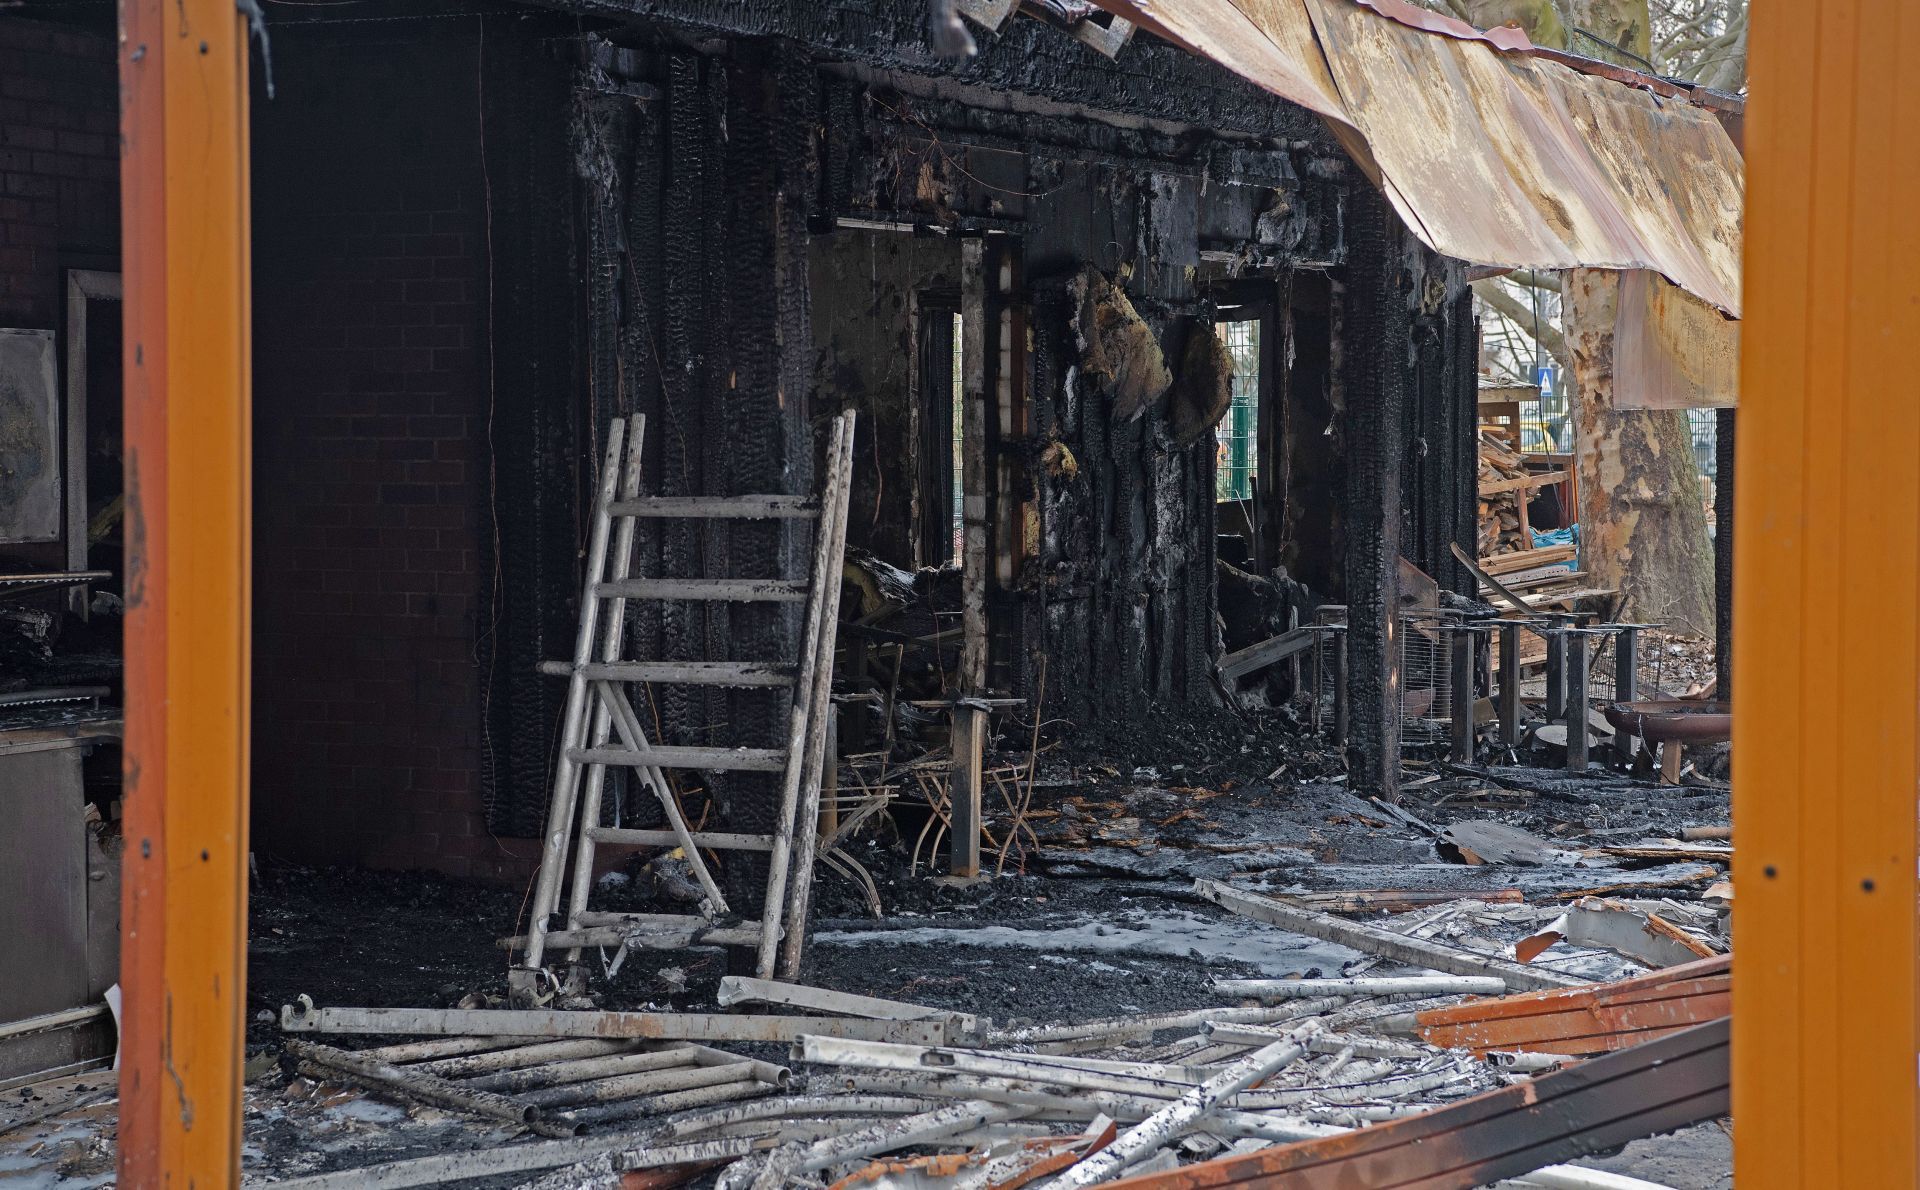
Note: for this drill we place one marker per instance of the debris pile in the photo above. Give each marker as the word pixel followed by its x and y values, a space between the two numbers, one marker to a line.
pixel 888 1093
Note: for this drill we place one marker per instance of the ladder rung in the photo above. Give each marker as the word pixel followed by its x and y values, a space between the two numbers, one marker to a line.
pixel 740 590
pixel 749 931
pixel 697 933
pixel 718 840
pixel 751 508
pixel 683 673
pixel 744 760
pixel 605 917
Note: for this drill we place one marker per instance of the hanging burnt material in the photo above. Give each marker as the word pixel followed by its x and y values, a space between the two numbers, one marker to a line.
pixel 1204 389
pixel 1118 350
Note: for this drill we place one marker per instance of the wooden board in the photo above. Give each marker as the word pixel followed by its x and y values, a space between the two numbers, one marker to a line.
pixel 1518 482
pixel 1499 564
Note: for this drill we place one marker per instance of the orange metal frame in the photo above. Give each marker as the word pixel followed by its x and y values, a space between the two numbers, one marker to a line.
pixel 184 212
pixel 1826 674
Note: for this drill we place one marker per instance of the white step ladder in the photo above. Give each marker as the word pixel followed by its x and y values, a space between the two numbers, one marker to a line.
pixel 601 728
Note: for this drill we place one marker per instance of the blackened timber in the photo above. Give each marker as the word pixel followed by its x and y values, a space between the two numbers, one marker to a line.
pixel 682 351
pixel 1374 342
pixel 1463 330
pixel 764 439
pixel 642 369
pixel 1153 80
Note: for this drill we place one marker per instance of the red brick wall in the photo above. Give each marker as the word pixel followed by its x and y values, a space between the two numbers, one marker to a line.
pixel 59 164
pixel 371 398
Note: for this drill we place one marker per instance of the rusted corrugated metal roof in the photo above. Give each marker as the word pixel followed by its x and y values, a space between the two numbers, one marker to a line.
pixel 1492 151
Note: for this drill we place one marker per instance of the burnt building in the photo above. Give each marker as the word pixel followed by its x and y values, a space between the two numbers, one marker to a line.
pixel 1110 316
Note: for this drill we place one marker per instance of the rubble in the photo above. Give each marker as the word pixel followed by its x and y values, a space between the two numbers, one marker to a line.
pixel 1197 945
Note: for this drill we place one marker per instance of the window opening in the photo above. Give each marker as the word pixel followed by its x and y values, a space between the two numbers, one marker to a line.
pixel 1235 450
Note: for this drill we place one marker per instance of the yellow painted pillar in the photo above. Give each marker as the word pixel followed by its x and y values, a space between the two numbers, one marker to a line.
pixel 184 218
pixel 1826 681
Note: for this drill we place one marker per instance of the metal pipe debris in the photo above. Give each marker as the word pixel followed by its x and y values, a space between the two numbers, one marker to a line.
pixel 672 1101
pixel 439 1047
pixel 658 1026
pixel 530 1054
pixel 562 1073
pixel 621 1087
pixel 327 1062
pixel 736 989
pixel 766 1072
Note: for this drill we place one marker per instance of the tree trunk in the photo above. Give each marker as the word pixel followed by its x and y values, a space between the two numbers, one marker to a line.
pixel 1643 525
pixel 1625 23
pixel 1538 19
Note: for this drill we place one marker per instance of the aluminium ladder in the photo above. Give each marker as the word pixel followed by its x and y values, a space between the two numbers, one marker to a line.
pixel 601 728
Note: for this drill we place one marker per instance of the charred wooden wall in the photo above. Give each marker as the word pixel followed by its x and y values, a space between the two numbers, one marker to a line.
pixel 712 145
pixel 695 173
pixel 630 204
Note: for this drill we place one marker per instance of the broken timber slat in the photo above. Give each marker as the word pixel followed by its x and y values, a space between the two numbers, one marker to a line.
pixel 1402 949
pixel 1542 480
pixel 1275 649
pixel 682 673
pixel 733 760
pixel 1502 564
pixel 737 590
pixel 732 507
pixel 657 1026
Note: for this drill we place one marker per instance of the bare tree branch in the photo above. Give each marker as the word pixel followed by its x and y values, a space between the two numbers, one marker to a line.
pixel 1545 334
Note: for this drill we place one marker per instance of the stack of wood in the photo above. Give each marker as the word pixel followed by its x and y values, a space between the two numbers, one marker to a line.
pixel 1505 487
pixel 1541 577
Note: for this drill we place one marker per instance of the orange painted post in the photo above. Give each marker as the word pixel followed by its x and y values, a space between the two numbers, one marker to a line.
pixel 1827 681
pixel 184 212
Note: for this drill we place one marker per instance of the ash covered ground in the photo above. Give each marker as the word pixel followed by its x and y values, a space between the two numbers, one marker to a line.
pixel 1098 920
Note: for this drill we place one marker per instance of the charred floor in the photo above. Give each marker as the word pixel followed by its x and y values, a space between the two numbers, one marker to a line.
pixel 1100 921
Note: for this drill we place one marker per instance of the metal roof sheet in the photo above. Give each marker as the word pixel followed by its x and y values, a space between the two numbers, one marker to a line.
pixel 1491 151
